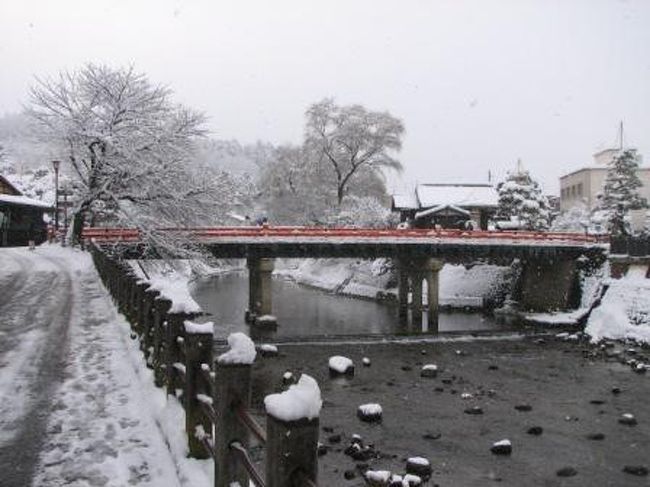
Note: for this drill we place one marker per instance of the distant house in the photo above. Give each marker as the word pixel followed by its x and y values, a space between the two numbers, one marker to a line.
pixel 20 217
pixel 448 205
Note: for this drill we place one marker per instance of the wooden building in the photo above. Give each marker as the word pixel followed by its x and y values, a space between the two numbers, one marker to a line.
pixel 21 218
pixel 448 205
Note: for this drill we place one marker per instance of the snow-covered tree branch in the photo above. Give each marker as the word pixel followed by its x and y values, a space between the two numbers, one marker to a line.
pixel 129 145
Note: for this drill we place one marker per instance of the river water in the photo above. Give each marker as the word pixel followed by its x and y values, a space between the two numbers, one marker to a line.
pixel 306 312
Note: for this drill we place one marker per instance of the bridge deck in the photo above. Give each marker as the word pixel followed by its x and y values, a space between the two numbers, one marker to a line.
pixel 300 242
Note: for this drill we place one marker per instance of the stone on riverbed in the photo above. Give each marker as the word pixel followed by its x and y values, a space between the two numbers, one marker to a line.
pixel 627 419
pixel 370 413
pixel 419 466
pixel 503 447
pixel 339 365
pixel 429 371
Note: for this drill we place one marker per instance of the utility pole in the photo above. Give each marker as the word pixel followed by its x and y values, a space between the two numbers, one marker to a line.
pixel 56 165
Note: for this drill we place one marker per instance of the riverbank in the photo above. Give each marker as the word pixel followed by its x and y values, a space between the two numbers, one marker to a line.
pixel 564 388
pixel 476 287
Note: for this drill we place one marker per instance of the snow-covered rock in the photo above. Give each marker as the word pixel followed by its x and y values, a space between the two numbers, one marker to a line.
pixel 419 466
pixel 242 350
pixel 429 370
pixel 503 447
pixel 339 365
pixel 300 401
pixel 370 412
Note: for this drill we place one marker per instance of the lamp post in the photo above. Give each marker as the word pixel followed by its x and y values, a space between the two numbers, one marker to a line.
pixel 56 165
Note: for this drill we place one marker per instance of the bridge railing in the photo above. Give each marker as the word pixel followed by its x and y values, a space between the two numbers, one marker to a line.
pixel 216 396
pixel 131 235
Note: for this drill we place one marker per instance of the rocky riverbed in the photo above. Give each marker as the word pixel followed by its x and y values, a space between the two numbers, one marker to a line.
pixel 561 403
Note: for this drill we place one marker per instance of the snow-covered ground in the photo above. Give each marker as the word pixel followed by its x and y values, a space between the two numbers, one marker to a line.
pixel 79 406
pixel 625 309
pixel 459 287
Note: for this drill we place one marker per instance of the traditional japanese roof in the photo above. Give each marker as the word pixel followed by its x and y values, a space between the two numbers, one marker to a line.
pixel 23 201
pixel 457 195
pixel 439 209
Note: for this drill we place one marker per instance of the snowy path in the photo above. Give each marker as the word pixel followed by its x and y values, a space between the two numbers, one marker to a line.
pixel 78 408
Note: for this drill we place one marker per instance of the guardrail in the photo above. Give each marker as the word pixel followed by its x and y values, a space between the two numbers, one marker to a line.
pixel 634 246
pixel 216 396
pixel 133 235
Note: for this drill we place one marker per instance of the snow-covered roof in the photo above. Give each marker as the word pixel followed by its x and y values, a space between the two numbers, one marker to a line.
pixel 23 201
pixel 438 209
pixel 459 195
pixel 405 202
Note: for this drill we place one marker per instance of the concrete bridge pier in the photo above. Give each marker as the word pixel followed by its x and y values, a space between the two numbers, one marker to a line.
pixel 547 285
pixel 412 273
pixel 260 298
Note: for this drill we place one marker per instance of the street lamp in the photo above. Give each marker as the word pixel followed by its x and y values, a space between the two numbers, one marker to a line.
pixel 56 165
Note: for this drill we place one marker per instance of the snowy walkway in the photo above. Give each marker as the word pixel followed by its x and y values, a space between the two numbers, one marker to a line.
pixel 78 408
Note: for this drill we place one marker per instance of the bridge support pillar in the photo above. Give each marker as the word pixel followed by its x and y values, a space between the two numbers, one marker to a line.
pixel 548 285
pixel 411 274
pixel 260 301
pixel 433 267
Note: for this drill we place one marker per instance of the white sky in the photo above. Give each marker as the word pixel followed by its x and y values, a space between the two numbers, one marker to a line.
pixel 477 83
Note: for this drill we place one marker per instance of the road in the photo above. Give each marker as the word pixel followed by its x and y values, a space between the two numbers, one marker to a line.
pixel 74 410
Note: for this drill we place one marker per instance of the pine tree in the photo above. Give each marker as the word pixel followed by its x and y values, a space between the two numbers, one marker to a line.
pixel 620 191
pixel 520 196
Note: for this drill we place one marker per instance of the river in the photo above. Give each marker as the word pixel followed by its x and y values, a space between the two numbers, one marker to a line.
pixel 306 312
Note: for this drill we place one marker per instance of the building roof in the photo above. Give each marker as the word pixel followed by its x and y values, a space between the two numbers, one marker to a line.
pixel 458 195
pixel 8 184
pixel 438 209
pixel 23 201
pixel 405 202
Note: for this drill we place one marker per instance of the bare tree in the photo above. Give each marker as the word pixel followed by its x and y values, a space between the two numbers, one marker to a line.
pixel 127 143
pixel 351 138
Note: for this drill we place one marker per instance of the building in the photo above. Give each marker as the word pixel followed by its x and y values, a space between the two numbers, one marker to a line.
pixel 21 218
pixel 584 185
pixel 448 205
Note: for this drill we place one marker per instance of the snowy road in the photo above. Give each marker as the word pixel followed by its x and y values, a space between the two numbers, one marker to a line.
pixel 78 408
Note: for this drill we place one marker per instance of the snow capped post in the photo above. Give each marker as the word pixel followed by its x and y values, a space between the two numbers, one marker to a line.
pixel 198 351
pixel 232 391
pixel 292 426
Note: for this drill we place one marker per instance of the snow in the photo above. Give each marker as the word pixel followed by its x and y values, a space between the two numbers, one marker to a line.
pixel 242 350
pixel 340 364
pixel 502 443
pixel 371 409
pixel 430 367
pixel 108 424
pixel 24 201
pixel 266 347
pixel 430 195
pixel 418 461
pixel 172 280
pixel 378 475
pixel 405 201
pixel 300 401
pixel 624 312
pixel 195 328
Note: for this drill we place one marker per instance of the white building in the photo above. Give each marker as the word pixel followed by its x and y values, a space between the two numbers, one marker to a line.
pixel 585 184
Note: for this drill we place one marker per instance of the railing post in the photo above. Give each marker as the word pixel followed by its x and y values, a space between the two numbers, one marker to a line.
pixel 173 351
pixel 157 314
pixel 291 451
pixel 292 435
pixel 198 351
pixel 232 390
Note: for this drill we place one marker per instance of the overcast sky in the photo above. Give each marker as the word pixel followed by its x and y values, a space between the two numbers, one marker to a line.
pixel 478 84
